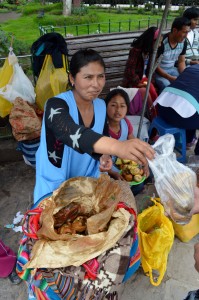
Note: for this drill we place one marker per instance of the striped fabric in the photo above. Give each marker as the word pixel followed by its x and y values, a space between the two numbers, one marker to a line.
pixel 97 279
pixel 192 49
pixel 29 149
pixel 170 55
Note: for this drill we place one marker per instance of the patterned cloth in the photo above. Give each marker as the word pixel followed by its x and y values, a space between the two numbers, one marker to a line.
pixel 99 278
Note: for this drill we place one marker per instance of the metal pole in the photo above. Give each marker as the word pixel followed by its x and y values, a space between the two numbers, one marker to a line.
pixel 151 70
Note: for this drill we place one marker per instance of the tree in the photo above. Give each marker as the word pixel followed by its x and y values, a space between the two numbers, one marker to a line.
pixel 67 5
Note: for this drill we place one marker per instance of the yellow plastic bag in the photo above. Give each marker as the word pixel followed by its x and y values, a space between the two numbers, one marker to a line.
pixel 186 232
pixel 51 81
pixel 156 236
pixel 6 73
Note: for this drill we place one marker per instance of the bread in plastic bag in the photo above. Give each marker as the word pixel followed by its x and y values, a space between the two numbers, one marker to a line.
pixel 174 182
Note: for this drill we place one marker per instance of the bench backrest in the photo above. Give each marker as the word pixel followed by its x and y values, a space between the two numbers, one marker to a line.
pixel 113 47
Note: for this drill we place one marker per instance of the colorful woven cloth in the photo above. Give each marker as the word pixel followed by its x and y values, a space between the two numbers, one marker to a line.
pixel 99 278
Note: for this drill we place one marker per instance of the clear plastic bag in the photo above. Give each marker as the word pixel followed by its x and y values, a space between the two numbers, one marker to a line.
pixel 174 182
pixel 19 85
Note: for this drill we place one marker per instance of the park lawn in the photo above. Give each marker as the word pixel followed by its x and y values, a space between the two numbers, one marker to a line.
pixel 26 28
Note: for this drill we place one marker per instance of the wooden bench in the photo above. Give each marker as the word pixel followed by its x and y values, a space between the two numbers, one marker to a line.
pixel 113 47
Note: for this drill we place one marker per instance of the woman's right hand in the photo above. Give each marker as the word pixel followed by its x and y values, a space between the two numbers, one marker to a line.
pixel 136 150
pixel 133 149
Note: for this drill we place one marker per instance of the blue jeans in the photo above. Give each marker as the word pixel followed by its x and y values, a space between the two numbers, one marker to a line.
pixel 162 82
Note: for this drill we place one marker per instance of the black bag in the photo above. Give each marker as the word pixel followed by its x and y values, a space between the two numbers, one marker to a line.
pixel 50 43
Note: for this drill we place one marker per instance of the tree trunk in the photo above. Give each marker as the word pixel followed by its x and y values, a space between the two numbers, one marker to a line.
pixel 67 5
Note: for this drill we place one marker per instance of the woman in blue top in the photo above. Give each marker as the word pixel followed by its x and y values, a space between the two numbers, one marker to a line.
pixel 74 128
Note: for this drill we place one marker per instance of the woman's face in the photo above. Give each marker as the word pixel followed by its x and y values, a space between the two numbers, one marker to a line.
pixel 89 81
pixel 116 108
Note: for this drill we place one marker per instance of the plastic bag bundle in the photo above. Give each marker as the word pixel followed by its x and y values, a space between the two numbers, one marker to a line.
pixel 6 73
pixel 156 238
pixel 18 84
pixel 174 182
pixel 51 81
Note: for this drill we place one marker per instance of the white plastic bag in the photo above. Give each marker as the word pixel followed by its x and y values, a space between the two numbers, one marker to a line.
pixel 174 182
pixel 19 84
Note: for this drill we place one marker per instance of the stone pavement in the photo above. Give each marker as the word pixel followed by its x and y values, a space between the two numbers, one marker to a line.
pixel 16 187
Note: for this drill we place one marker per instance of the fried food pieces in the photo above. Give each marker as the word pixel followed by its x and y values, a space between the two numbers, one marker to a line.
pixel 69 221
pixel 130 170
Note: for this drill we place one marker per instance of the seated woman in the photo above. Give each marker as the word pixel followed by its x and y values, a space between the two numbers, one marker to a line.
pixel 178 104
pixel 72 144
pixel 73 130
pixel 138 63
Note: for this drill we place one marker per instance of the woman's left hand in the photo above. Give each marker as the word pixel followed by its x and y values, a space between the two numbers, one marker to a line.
pixel 106 163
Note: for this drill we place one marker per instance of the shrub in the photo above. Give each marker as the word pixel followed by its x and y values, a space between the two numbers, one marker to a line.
pixel 57 12
pixel 80 11
pixel 148 6
pixel 35 8
pixel 20 47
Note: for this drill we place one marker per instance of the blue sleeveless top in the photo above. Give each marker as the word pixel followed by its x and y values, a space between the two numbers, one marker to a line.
pixel 49 177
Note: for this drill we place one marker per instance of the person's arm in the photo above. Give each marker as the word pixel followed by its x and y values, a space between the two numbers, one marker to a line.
pixel 85 140
pixel 181 63
pixel 195 209
pixel 164 74
pixel 133 149
pixel 196 256
pixel 61 126
pixel 181 58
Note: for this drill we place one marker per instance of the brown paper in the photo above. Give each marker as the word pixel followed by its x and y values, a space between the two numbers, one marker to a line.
pixel 100 196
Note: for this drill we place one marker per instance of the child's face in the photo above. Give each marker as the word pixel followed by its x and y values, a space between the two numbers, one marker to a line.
pixel 116 108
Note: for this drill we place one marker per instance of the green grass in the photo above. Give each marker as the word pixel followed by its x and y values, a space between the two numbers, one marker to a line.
pixel 26 28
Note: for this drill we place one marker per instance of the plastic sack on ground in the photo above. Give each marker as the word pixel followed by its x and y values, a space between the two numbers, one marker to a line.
pixel 19 85
pixel 156 236
pixel 6 73
pixel 174 182
pixel 51 81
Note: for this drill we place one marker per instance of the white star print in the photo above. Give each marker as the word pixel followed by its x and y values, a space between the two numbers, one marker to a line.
pixel 75 137
pixel 53 155
pixel 54 112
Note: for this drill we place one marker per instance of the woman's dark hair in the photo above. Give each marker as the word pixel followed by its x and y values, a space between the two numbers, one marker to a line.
pixel 146 40
pixel 115 92
pixel 179 22
pixel 191 13
pixel 82 58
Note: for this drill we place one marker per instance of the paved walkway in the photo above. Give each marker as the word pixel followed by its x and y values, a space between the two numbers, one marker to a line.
pixel 9 16
pixel 17 183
